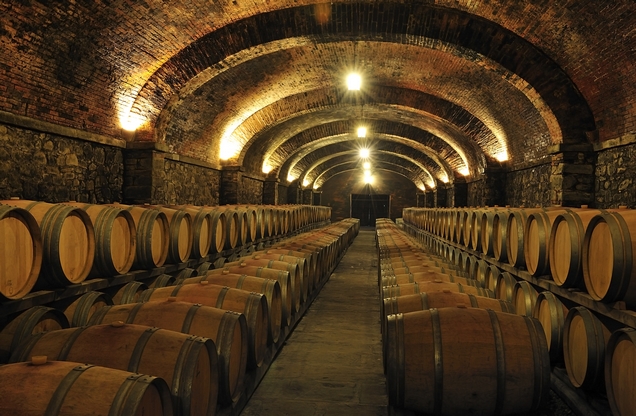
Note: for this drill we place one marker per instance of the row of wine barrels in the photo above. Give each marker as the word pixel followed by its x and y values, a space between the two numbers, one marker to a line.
pixel 162 307
pixel 578 247
pixel 423 334
pixel 252 305
pixel 188 364
pixel 227 329
pixel 591 250
pixel 56 245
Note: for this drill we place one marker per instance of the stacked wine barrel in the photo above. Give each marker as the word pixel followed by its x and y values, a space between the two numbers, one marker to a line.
pixel 574 249
pixel 197 336
pixel 449 347
pixel 50 246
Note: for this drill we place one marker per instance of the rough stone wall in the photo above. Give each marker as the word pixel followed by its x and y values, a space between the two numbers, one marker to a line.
pixel 250 191
pixel 337 190
pixel 615 177
pixel 46 167
pixel 476 192
pixel 529 187
pixel 184 183
pixel 282 195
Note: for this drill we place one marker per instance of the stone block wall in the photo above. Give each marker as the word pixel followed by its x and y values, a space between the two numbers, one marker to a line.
pixel 529 187
pixel 48 167
pixel 282 194
pixel 615 177
pixel 476 192
pixel 185 183
pixel 250 191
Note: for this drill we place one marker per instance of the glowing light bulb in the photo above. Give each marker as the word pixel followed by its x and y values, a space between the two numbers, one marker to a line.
pixel 354 82
pixel 362 132
pixel 364 153
pixel 366 165
pixel 464 171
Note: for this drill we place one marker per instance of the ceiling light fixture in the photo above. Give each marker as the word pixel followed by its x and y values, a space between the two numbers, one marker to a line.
pixel 364 153
pixel 362 131
pixel 354 82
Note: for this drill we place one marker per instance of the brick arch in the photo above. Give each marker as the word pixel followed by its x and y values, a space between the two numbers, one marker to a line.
pixel 379 149
pixel 406 113
pixel 339 169
pixel 389 161
pixel 465 30
pixel 437 167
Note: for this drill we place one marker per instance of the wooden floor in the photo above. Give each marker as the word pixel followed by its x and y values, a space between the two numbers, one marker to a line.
pixel 332 362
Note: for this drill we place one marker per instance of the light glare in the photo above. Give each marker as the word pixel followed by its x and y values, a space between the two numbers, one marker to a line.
pixel 502 156
pixel 267 169
pixel 364 153
pixel 354 82
pixel 291 178
pixel 366 165
pixel 464 171
pixel 367 173
pixel 368 180
pixel 362 132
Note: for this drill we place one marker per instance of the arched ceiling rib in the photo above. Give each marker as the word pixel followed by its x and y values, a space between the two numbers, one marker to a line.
pixel 472 74
pixel 434 165
pixel 416 175
pixel 337 170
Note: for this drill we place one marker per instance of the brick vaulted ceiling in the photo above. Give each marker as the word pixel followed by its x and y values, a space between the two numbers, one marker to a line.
pixel 450 87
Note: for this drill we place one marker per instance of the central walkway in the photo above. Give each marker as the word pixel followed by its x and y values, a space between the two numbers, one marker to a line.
pixel 332 362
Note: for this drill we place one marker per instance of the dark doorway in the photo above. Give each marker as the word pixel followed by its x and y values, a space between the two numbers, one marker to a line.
pixel 369 207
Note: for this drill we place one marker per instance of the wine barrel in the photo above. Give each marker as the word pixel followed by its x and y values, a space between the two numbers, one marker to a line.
pixel 187 363
pixel 620 379
pixel 434 286
pixel 565 250
pixel 453 361
pixel 180 236
pixel 21 251
pixel 79 312
pixel 295 274
pixel 551 313
pixel 608 257
pixel 32 321
pixel 289 300
pixel 162 280
pixel 426 277
pixel 202 229
pixel 536 238
pixel 505 286
pixel 68 388
pixel 310 257
pixel 232 229
pixel 252 305
pixel 68 242
pixel 444 299
pixel 227 329
pixel 153 230
pixel 129 293
pixel 267 287
pixel 115 239
pixel 524 297
pixel 584 340
pixel 515 235
pixel 491 275
pixel 306 280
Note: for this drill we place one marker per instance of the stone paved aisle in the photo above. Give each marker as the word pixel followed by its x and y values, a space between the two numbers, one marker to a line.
pixel 332 362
